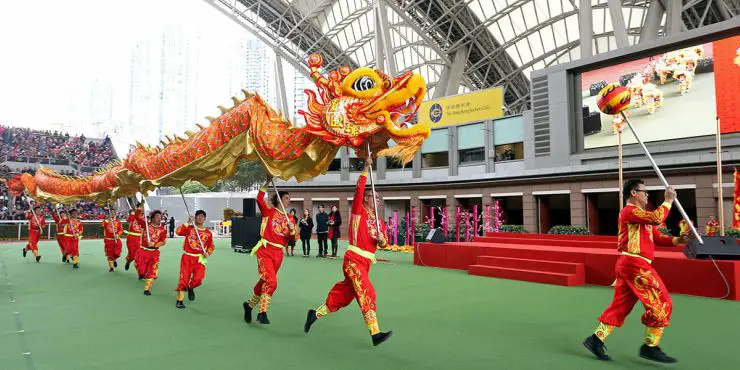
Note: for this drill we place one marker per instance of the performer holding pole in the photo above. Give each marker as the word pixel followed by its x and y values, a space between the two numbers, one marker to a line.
pixel 147 258
pixel 276 230
pixel 136 223
pixel 61 221
pixel 74 230
pixel 198 246
pixel 366 234
pixel 36 226
pixel 112 231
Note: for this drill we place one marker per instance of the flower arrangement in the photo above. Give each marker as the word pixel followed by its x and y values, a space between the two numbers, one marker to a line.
pixel 517 229
pixel 569 230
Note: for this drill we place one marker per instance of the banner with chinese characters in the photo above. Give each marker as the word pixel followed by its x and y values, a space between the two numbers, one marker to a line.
pixel 477 106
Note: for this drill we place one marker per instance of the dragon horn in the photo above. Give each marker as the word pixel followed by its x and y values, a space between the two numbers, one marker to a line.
pixel 314 62
pixel 247 94
pixel 199 126
pixel 189 133
pixel 236 100
pixel 222 109
pixel 210 119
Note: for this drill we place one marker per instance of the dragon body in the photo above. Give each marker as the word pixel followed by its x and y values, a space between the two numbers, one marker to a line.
pixel 352 108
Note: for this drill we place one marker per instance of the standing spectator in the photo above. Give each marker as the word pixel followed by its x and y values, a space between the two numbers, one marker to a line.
pixel 335 221
pixel 306 228
pixel 172 227
pixel 290 249
pixel 322 230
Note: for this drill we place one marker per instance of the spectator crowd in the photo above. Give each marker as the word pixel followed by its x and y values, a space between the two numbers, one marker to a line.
pixel 52 147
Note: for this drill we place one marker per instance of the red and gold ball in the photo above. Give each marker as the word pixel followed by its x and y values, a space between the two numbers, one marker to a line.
pixel 613 98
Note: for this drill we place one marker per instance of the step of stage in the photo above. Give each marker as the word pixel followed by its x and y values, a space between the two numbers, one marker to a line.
pixel 534 265
pixel 536 271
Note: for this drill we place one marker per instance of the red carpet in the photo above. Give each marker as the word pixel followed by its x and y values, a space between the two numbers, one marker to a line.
pixel 574 260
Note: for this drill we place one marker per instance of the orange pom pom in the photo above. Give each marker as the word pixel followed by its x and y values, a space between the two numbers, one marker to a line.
pixel 613 99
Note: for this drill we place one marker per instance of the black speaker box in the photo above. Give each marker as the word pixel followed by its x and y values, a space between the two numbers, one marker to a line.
pixel 245 233
pixel 592 123
pixel 249 207
pixel 436 236
pixel 717 247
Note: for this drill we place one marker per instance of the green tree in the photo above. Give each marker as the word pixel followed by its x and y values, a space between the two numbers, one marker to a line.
pixel 194 187
pixel 248 175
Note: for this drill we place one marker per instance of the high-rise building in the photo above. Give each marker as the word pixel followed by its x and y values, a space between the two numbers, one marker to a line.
pixel 300 99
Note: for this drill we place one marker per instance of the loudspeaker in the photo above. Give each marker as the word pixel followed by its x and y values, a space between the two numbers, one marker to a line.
pixel 249 207
pixel 592 123
pixel 436 236
pixel 717 247
pixel 245 233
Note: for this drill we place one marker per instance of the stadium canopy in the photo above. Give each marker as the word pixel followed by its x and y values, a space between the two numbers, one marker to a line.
pixel 464 45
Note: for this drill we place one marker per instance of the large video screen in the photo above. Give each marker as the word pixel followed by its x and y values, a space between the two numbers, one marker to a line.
pixel 677 94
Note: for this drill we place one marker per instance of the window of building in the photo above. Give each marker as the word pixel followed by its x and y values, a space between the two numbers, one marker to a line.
pixel 508 139
pixel 471 142
pixel 336 164
pixel 435 150
pixel 356 164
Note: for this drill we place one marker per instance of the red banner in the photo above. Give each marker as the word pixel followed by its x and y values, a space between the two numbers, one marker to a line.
pixel 727 83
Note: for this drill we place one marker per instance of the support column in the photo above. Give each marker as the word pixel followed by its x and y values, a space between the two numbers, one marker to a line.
pixel 456 70
pixel 444 79
pixel 379 48
pixel 344 165
pixel 653 18
pixel 529 213
pixel 416 165
pixel 673 21
pixel 620 31
pixel 280 85
pixel 381 167
pixel 488 146
pixel 382 16
pixel 585 26
pixel 452 145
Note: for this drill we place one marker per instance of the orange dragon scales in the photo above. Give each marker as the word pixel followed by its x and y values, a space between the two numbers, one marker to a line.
pixel 352 108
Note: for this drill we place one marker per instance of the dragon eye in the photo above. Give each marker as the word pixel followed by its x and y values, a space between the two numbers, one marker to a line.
pixel 363 84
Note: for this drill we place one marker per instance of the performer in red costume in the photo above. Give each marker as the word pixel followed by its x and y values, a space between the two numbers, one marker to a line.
pixel 73 235
pixel 36 224
pixel 112 231
pixel 61 220
pixel 147 259
pixel 133 235
pixel 636 277
pixel 276 231
pixel 712 227
pixel 364 239
pixel 195 252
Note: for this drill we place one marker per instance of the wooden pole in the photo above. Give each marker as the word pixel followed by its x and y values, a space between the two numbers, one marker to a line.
pixel 621 171
pixel 721 207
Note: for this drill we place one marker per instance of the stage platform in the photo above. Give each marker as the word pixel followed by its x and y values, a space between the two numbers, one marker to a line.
pixel 574 260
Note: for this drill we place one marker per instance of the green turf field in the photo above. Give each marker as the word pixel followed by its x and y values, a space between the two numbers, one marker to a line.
pixel 442 319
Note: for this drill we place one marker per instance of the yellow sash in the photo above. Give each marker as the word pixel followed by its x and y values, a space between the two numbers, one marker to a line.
pixel 363 253
pixel 264 243
pixel 637 255
pixel 130 233
pixel 201 258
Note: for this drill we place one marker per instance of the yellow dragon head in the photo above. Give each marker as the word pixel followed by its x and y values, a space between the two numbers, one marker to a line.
pixel 366 105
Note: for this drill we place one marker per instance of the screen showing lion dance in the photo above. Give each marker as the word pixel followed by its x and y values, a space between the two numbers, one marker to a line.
pixel 674 95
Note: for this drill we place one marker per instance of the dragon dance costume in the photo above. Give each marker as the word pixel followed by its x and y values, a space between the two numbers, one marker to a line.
pixel 147 258
pixel 363 240
pixel 637 280
pixel 36 226
pixel 276 233
pixel 193 262
pixel 112 231
pixel 133 237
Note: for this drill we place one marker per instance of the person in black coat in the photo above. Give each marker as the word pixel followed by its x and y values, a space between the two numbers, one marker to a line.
pixel 306 228
pixel 322 230
pixel 335 221
pixel 172 227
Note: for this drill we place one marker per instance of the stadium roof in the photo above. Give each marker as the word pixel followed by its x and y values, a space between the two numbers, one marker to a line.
pixel 461 45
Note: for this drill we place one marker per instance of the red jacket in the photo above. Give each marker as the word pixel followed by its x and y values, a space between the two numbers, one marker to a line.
pixel 638 230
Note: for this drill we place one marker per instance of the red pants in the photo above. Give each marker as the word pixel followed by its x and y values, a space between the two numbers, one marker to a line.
pixel 33 240
pixel 147 263
pixel 61 241
pixel 72 246
pixel 132 244
pixel 113 249
pixel 356 285
pixel 269 259
pixel 191 273
pixel 638 280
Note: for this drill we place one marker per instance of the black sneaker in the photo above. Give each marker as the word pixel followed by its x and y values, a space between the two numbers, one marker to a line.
pixel 64 259
pixel 381 337
pixel 147 292
pixel 310 319
pixel 656 354
pixel 141 277
pixel 247 312
pixel 115 264
pixel 110 269
pixel 191 294
pixel 24 252
pixel 180 305
pixel 597 347
pixel 262 318
pixel 125 267
pixel 38 258
pixel 76 266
